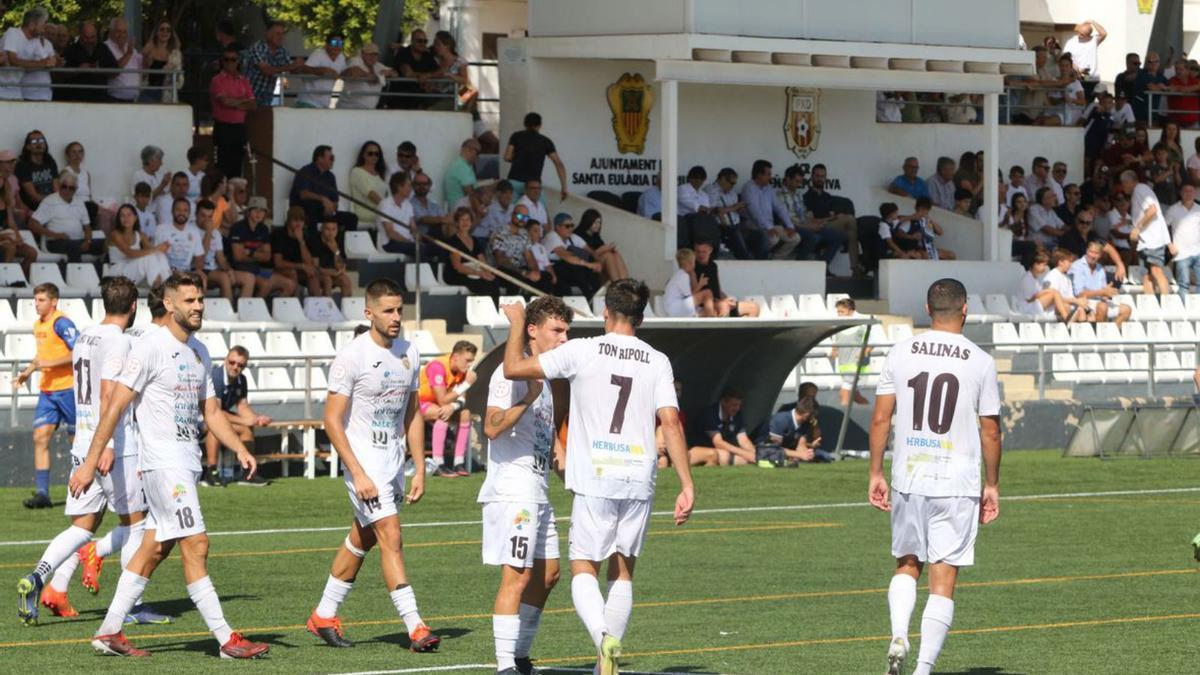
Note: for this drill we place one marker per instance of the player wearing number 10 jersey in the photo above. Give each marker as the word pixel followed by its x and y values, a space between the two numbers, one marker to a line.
pixel 619 385
pixel 943 391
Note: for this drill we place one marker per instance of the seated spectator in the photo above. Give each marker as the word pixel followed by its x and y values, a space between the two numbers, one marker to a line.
pixel 526 153
pixel 152 173
pixel 511 249
pixel 363 79
pixel 1097 186
pixel 614 268
pixel 683 296
pixel 197 158
pixel 1044 223
pixel 1193 163
pixel 366 181
pixel 331 261
pixel 214 188
pixel 1121 227
pixel 315 190
pixel 1089 282
pixel 690 198
pixel 62 221
pixel 1016 182
pixel 650 201
pixel 406 160
pixel 430 216
pixel 147 221
pixel 1072 204
pixel 11 244
pixel 217 269
pixel 36 171
pixel 239 197
pixel 766 221
pixel 725 428
pixel 460 176
pixel 132 254
pixel 1149 230
pixel 970 175
pixel 1057 278
pixel 395 223
pixel 917 232
pixel 574 266
pixel 941 184
pixel 723 198
pixel 801 231
pixel 27 49
pixel 1126 153
pixel 791 438
pixel 541 256
pixel 832 212
pixel 532 200
pixel 1184 220
pixel 86 53
pixel 498 213
pixel 1038 299
pixel 901 248
pixel 250 245
pixel 290 256
pixel 1165 176
pixel 121 53
pixel 1077 238
pixel 74 165
pixel 323 65
pixel 909 184
pixel 232 389
pixel 1040 178
pixel 185 245
pixel 444 384
pixel 848 353
pixel 708 276
pixel 460 271
pixel 162 53
pixel 963 201
pixel 164 206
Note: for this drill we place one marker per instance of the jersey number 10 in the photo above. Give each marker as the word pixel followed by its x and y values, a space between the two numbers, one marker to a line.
pixel 943 398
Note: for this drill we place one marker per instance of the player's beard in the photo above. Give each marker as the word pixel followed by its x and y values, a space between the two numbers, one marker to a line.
pixel 189 321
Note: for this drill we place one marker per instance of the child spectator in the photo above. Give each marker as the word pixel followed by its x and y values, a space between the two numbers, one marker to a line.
pixel 848 352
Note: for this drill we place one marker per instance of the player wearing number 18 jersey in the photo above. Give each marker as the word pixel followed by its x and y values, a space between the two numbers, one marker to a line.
pixel 619 385
pixel 943 391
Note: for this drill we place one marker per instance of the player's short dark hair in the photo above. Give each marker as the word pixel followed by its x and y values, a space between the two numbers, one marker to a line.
pixel 195 153
pixel 154 300
pixel 547 307
pixel 806 405
pixel 731 393
pixel 923 203
pixel 382 287
pixel 810 387
pixel 142 188
pixel 945 298
pixel 206 205
pixel 464 346
pixel 48 289
pixel 533 120
pixel 119 295
pixel 360 329
pixel 178 280
pixel 627 298
pixel 848 303
pixel 888 208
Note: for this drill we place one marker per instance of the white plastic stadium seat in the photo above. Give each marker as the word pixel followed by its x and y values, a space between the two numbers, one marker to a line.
pixel 1158 331
pixel 316 343
pixel 429 281
pixel 1005 335
pixel 656 305
pixel 1148 308
pixel 77 311
pixel 342 338
pixel 214 342
pixel 1091 368
pixel 1116 365
pixel 83 276
pixel 320 384
pixel 784 306
pixel 381 255
pixel 1193 306
pixel 1183 331
pixel 1082 333
pixel 218 314
pixel 43 255
pixel 1064 368
pixel 997 303
pixel 1140 363
pixel 898 332
pixel 26 313
pixel 353 307
pixel 274 385
pixel 253 314
pixel 1168 369
pixel 289 312
pixel 831 300
pixel 977 312
pixel 423 339
pixel 8 320
pixel 282 343
pixel 1031 334
pixel 1110 335
pixel 1133 331
pixel 1173 308
pixel 1058 338
pixel 812 306
pixel 764 309
pixel 481 311
pixel 250 341
pixel 324 311
pixel 510 299
pixel 20 346
pixel 359 245
pixel 579 304
pixel 48 273
pixel 12 280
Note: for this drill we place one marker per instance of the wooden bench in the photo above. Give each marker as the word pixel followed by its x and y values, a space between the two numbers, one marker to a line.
pixel 309 453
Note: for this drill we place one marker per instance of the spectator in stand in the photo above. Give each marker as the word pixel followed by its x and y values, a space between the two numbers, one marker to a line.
pixel 1165 176
pixel 941 185
pixel 650 201
pixel 1101 209
pixel 413 61
pixel 265 61
pixel 1121 227
pixel 1171 138
pixel 1126 153
pixel 460 176
pixel 573 263
pixel 463 272
pixel 147 221
pixel 290 256
pixel 1132 82
pixel 85 52
pixel 152 173
pixel 527 152
pixel 217 269
pixel 1098 124
pixel 73 155
pixel 909 184
pixel 532 201
pixel 11 244
pixel 36 170
pixel 830 211
pixel 430 216
pixel 683 296
pixel 690 198
pixel 1068 103
pixel 331 261
pixel 1058 280
pixel 164 206
pixel 213 188
pixel 323 67
pixel 963 201
pixel 239 197
pixel 444 384
pixel 121 53
pixel 185 241
pixel 925 229
pixel 367 181
pixel 723 198
pixel 1185 110
pixel 62 221
pixel 894 247
pixel 131 253
pixel 451 67
pixel 1184 219
pixel 27 49
pixel 1044 223
pixel 970 174
pixel 363 79
pixel 801 229
pixel 511 249
pixel 406 160
pixel 541 255
pixel 1040 177
pixel 614 267
pixel 1071 205
pixel 396 220
pixel 793 437
pixel 708 277
pixel 1154 106
pixel 232 97
pixel 766 221
pixel 161 52
pixel 250 244
pixel 725 428
pixel 1038 299
pixel 230 387
pixel 1149 231
pixel 1097 186
pixel 1089 282
pixel 1082 48
pixel 889 106
pixel 227 36
pixel 1122 113
pixel 498 213
pixel 197 158
pixel 58 35
pixel 315 190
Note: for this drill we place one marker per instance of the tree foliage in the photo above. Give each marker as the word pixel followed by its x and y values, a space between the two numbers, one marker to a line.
pixel 68 12
pixel 355 18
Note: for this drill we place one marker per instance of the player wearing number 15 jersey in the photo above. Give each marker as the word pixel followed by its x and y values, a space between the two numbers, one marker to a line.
pixel 371 417
pixel 619 386
pixel 943 391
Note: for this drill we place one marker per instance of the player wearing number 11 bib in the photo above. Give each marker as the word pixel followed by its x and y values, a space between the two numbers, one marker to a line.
pixel 943 390
pixel 619 386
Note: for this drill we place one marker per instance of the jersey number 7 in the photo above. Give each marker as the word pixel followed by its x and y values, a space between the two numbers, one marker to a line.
pixel 618 417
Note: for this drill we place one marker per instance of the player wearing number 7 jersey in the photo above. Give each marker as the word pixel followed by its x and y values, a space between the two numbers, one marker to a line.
pixel 518 520
pixel 371 417
pixel 619 385
pixel 943 390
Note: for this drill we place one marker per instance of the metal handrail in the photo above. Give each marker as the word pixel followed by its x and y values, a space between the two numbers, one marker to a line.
pixel 173 76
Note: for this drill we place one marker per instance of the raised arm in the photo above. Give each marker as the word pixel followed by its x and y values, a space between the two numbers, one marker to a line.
pixel 518 366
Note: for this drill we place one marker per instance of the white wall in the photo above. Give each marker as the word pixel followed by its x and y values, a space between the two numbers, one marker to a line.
pixel 437 136
pixel 112 136
pixel 740 278
pixel 903 282
pixel 639 241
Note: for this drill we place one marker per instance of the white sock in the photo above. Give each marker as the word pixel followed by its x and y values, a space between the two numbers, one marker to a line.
pixel 60 548
pixel 506 629
pixel 113 541
pixel 618 607
pixel 589 605
pixel 335 594
pixel 531 618
pixel 935 623
pixel 902 597
pixel 62 576
pixel 204 596
pixel 137 532
pixel 406 606
pixel 129 590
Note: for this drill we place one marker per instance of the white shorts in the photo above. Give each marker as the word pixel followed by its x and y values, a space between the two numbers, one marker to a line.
pixel 174 503
pixel 601 527
pixel 516 533
pixel 391 493
pixel 935 529
pixel 121 490
pixel 1114 308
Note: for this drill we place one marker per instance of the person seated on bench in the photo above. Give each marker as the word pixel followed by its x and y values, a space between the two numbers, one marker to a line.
pixel 231 388
pixel 442 396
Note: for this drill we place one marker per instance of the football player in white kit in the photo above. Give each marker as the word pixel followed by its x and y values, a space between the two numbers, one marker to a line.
pixel 166 379
pixel 619 386
pixel 371 417
pixel 519 534
pixel 944 393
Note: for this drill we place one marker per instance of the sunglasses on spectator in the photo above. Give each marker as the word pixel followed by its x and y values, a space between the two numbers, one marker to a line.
pixel 37 141
pixel 520 217
pixel 336 42
pixel 234 363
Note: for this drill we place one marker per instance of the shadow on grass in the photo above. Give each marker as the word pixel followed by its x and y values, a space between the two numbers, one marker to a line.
pixel 173 608
pixel 984 670
pixel 209 646
pixel 626 668
pixel 401 639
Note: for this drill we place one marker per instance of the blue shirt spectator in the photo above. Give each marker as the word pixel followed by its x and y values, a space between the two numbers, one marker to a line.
pixel 763 206
pixel 909 184
pixel 650 203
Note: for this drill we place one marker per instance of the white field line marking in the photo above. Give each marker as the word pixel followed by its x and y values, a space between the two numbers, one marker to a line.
pixel 489 666
pixel 736 509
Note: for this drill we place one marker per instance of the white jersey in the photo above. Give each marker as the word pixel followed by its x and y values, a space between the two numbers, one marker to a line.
pixel 943 383
pixel 172 382
pixel 132 442
pixel 618 384
pixel 99 354
pixel 379 382
pixel 519 457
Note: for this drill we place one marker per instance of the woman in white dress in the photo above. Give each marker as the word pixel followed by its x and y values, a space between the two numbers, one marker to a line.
pixel 133 257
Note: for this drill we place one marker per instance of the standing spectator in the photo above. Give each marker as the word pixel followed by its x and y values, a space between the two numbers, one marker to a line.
pixel 216 267
pixel 1184 219
pixel 1082 48
pixel 250 243
pixel 406 160
pixel 460 176
pixel 793 436
pixel 265 61
pixel 683 295
pixel 395 222
pixel 444 384
pixel 430 216
pixel 1164 175
pixel 573 263
pixel 1170 137
pixel 290 256
pixel 1098 124
pixel 164 206
pixel 532 200
pixel 1089 282
pixel 152 173
pixel 231 96
pixel 1132 82
pixel 36 170
pixel 909 184
pixel 122 87
pixel 463 272
pixel 941 184
pixel 367 182
pixel 197 158
pixel 1017 222
pixel 314 188
pixel 832 212
pixel 232 389
pixel 85 52
pixel 55 336
pixel 590 224
pixel 185 241
pixel 363 79
pixel 132 254
pixel 332 261
pixel 707 276
pixel 27 49
pixel 725 428
pixel 62 221
pixel 413 61
pixel 1184 109
pixel 11 244
pixel 527 152
pixel 1149 230
pixel 227 36
pixel 1153 107
pixel 162 53
pixel 324 66
pixel 765 219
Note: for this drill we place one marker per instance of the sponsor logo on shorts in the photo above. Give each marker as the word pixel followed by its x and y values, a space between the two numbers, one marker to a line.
pixel 522 519
pixel 178 492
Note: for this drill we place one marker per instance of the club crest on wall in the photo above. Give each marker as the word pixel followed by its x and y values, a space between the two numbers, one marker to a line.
pixel 630 98
pixel 801 125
